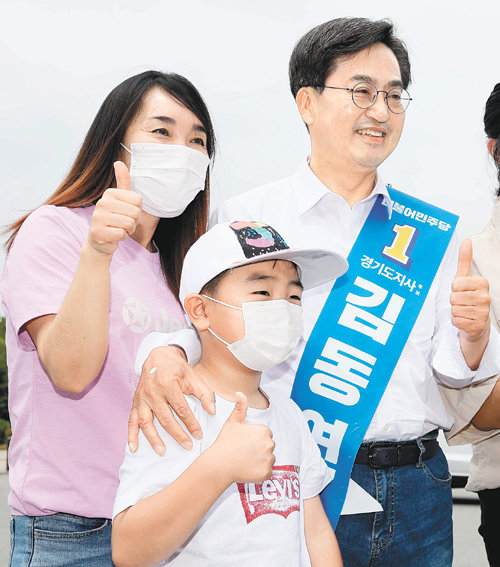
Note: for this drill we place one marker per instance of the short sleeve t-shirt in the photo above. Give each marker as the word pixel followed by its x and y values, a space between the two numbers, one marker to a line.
pixel 66 449
pixel 250 523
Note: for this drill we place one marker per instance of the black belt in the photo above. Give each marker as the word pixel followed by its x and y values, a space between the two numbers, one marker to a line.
pixel 381 455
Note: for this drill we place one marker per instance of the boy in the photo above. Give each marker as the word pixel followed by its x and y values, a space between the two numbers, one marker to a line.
pixel 248 491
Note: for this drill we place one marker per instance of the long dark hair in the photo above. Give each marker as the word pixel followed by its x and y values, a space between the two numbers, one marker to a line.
pixel 92 172
pixel 492 125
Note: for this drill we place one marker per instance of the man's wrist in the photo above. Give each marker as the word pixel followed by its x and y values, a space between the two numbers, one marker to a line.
pixel 185 340
pixel 181 351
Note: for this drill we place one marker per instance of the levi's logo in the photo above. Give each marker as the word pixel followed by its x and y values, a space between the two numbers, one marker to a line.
pixel 278 495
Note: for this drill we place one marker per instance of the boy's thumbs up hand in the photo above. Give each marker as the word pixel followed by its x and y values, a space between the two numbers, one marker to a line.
pixel 239 413
pixel 470 299
pixel 244 451
pixel 116 214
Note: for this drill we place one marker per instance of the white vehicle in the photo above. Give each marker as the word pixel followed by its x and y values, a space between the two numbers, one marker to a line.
pixel 458 457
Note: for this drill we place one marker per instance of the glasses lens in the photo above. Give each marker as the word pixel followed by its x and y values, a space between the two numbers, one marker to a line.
pixel 398 100
pixel 364 95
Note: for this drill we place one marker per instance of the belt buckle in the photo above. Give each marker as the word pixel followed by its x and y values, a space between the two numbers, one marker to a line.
pixel 391 450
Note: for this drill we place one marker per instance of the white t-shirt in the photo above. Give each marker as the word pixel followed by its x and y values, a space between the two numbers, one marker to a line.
pixel 249 524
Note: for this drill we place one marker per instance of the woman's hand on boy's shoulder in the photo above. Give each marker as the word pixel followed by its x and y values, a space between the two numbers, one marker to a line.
pixel 165 380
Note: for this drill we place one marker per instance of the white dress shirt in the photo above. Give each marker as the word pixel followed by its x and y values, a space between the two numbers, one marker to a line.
pixel 306 213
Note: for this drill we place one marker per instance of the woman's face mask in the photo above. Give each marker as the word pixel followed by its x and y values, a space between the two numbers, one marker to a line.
pixel 272 330
pixel 167 176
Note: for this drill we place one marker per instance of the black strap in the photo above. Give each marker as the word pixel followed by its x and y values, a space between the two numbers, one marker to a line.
pixel 385 455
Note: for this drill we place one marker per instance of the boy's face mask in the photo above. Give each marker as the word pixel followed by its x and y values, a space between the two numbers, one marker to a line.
pixel 167 176
pixel 272 330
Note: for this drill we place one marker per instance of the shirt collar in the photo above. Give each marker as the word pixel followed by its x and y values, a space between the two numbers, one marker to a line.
pixel 309 190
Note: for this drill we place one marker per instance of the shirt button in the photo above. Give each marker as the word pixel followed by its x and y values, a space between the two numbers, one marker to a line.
pixel 387 427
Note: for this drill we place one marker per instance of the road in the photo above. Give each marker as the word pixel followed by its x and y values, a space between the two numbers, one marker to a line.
pixel 469 550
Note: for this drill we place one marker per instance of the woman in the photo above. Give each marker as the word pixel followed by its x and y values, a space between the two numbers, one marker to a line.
pixel 86 275
pixel 476 408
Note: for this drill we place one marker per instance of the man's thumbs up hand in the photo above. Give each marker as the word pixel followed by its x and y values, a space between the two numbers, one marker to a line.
pixel 464 259
pixel 470 299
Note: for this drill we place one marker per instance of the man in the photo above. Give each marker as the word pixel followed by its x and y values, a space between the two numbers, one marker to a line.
pixel 349 78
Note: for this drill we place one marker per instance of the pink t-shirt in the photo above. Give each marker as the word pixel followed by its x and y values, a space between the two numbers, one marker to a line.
pixel 66 449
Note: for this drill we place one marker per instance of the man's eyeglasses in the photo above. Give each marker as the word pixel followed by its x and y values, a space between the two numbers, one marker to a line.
pixel 364 95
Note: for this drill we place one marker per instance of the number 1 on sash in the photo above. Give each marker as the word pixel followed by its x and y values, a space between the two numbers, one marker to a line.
pixel 402 245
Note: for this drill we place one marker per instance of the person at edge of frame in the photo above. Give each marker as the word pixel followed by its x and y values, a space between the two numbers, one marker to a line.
pixel 349 78
pixel 475 408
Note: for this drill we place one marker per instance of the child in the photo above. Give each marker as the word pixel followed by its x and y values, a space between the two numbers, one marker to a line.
pixel 247 493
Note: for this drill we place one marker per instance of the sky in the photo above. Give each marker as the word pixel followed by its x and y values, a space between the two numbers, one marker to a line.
pixel 60 58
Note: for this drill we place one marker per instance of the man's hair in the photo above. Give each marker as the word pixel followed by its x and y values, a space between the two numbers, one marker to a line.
pixel 492 125
pixel 320 50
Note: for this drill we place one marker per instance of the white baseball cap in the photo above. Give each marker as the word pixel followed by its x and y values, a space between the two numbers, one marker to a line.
pixel 234 244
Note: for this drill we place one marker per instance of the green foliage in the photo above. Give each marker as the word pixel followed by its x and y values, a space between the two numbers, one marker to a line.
pixel 4 412
pixel 5 431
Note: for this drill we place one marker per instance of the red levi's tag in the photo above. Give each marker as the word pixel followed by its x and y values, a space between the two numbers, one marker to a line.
pixel 278 495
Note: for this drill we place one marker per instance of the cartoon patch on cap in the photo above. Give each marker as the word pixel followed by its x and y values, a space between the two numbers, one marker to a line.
pixel 257 238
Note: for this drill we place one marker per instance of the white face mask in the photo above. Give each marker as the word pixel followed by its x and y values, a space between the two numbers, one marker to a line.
pixel 167 176
pixel 272 330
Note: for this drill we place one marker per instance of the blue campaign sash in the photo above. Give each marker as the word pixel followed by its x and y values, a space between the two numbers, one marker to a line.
pixel 363 328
